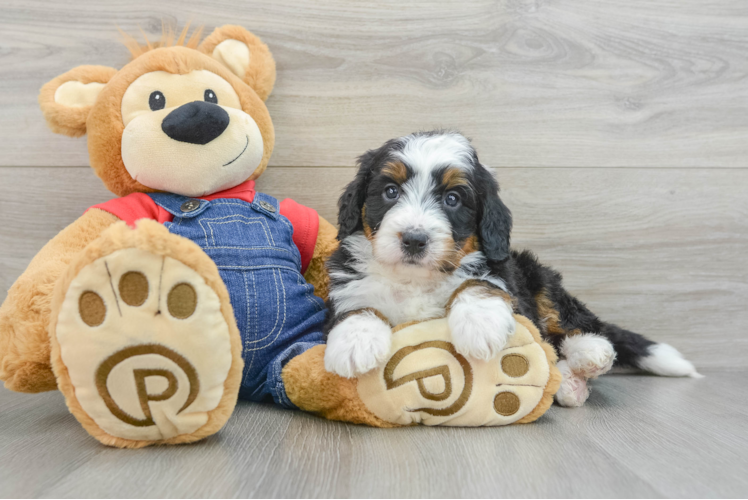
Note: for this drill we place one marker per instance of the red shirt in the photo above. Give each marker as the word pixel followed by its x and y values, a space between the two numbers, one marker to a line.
pixel 304 220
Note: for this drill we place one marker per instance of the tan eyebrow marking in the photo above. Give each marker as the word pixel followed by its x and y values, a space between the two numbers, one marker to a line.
pixel 454 177
pixel 367 229
pixel 397 171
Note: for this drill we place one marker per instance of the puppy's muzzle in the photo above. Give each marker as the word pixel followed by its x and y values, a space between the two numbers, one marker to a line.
pixel 414 243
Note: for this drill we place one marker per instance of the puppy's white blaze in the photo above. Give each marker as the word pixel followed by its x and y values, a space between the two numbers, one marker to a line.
pixel 480 325
pixel 589 355
pixel 357 344
pixel 417 210
pixel 423 153
pixel 573 391
pixel 666 360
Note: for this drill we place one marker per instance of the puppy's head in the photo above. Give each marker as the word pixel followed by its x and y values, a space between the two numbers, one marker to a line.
pixel 425 200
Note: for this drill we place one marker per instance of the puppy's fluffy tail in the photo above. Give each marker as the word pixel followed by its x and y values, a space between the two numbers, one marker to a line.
pixel 635 350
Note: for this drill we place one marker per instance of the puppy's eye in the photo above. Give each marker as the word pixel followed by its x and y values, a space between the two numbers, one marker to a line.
pixel 452 200
pixel 156 101
pixel 391 192
pixel 210 96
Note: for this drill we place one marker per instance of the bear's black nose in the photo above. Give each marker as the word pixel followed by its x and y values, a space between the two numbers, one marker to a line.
pixel 196 122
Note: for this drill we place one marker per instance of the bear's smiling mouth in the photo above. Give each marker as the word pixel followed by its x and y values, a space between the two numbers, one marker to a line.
pixel 243 150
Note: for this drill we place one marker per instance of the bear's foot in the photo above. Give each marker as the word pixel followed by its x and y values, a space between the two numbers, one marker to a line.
pixel 144 344
pixel 424 380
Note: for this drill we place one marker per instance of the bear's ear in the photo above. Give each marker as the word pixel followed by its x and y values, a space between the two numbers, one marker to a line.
pixel 67 99
pixel 244 55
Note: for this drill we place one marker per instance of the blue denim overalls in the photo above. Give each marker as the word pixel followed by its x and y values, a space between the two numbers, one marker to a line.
pixel 277 313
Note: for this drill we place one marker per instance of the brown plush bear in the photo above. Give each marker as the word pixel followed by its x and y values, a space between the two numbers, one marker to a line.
pixel 155 311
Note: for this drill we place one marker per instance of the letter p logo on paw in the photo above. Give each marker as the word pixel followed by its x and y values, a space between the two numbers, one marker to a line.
pixel 145 344
pixel 427 381
pixel 124 406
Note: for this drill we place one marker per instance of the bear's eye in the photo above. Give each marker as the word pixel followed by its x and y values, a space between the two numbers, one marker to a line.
pixel 156 101
pixel 210 96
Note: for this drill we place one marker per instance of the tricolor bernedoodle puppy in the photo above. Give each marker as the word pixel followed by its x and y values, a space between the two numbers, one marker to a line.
pixel 424 234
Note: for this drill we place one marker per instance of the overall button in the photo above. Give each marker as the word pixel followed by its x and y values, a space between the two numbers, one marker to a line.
pixel 190 206
pixel 267 206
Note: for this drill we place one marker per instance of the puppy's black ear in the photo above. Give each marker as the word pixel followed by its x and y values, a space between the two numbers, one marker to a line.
pixel 352 200
pixel 349 206
pixel 351 203
pixel 495 225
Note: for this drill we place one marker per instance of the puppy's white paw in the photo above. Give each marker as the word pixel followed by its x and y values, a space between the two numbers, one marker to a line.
pixel 588 355
pixel 480 326
pixel 573 391
pixel 357 344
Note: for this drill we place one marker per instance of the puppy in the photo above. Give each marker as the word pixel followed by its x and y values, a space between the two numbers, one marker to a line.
pixel 424 234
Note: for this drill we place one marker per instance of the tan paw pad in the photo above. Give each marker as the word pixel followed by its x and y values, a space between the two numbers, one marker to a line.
pixel 427 381
pixel 145 345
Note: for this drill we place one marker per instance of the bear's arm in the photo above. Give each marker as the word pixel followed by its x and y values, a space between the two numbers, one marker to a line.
pixel 24 315
pixel 326 244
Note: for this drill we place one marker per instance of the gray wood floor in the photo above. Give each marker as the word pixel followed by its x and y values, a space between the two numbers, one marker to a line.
pixel 618 133
pixel 638 436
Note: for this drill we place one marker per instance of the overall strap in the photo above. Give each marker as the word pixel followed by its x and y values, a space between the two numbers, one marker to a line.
pixel 179 206
pixel 266 204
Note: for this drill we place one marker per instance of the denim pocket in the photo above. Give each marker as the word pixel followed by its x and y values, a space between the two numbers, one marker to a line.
pixel 237 231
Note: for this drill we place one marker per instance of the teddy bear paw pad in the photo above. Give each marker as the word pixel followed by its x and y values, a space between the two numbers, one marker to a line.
pixel 426 381
pixel 145 345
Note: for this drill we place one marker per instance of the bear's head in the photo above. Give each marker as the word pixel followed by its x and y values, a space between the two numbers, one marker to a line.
pixel 182 117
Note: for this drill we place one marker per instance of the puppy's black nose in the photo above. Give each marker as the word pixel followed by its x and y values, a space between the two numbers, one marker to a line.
pixel 196 122
pixel 414 242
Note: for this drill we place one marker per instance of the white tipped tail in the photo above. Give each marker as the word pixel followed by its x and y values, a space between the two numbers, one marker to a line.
pixel 666 360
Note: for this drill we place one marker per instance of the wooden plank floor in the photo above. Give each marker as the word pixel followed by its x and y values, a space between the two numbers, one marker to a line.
pixel 638 436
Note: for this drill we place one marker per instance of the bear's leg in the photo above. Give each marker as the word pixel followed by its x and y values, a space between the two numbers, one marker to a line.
pixel 425 380
pixel 24 314
pixel 144 343
pixel 312 388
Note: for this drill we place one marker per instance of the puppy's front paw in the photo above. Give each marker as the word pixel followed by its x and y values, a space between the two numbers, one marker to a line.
pixel 357 344
pixel 480 326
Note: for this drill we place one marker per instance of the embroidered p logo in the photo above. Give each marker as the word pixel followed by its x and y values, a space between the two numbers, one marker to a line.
pixel 421 375
pixel 426 381
pixel 140 377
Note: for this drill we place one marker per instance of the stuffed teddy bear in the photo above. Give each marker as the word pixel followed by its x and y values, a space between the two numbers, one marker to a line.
pixel 154 312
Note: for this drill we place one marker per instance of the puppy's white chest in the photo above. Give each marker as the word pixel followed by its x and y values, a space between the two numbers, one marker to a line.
pixel 403 302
